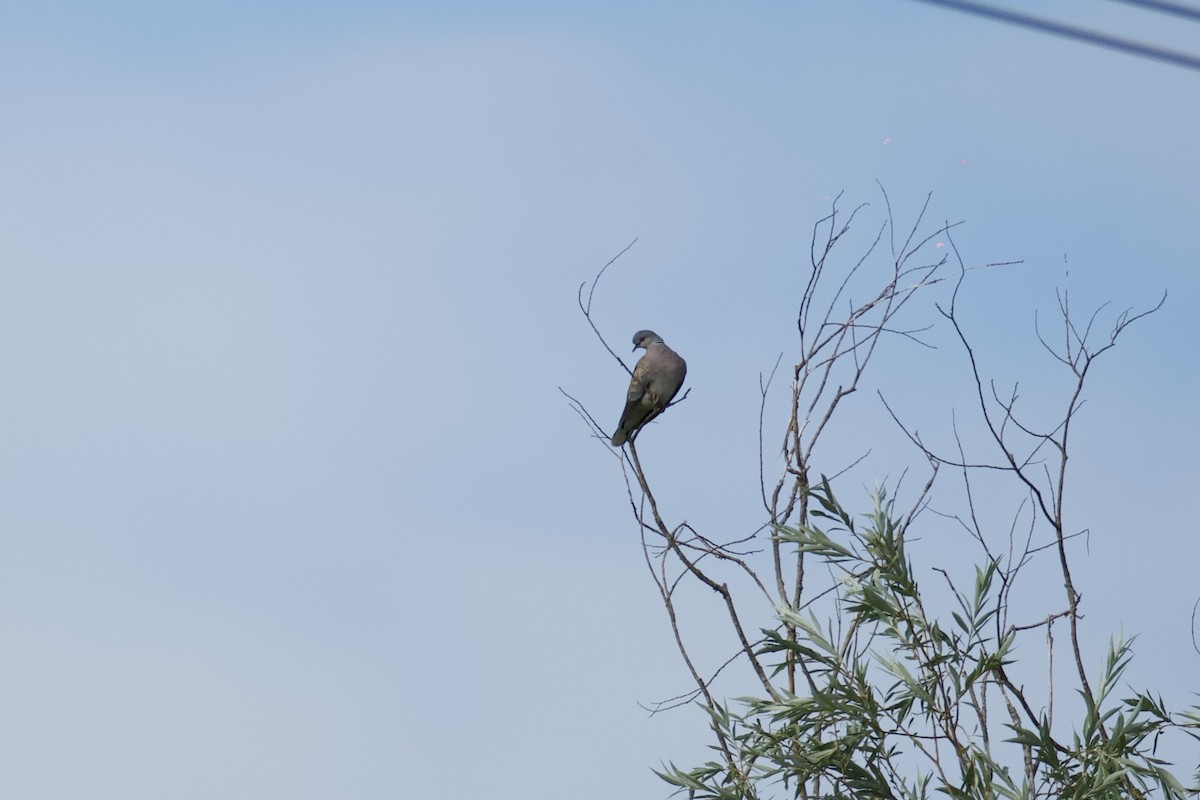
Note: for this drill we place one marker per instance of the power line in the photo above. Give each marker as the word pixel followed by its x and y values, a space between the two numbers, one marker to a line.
pixel 1178 9
pixel 1079 34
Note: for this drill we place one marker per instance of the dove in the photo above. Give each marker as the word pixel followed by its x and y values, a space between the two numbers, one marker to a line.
pixel 656 380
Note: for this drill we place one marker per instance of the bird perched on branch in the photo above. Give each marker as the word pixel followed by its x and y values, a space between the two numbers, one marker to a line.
pixel 656 379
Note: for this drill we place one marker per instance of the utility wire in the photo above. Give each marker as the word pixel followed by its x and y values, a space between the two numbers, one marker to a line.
pixel 1178 9
pixel 1070 32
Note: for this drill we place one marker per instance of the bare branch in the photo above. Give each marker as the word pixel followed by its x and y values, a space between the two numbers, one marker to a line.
pixel 586 308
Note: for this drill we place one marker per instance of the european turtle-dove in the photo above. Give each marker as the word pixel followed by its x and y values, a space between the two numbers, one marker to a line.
pixel 656 379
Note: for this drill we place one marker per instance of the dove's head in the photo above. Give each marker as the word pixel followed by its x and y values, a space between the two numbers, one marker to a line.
pixel 644 339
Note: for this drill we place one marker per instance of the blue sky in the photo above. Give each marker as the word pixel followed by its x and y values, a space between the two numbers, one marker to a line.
pixel 293 507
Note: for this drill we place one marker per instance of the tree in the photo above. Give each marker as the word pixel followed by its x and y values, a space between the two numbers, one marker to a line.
pixel 868 681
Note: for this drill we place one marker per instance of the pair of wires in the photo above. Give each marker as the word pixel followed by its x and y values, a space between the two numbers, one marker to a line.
pixel 1093 37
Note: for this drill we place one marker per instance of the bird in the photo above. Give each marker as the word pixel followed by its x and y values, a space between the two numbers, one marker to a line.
pixel 656 380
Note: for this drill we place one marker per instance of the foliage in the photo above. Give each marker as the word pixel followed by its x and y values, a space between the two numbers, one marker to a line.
pixel 896 703
pixel 871 684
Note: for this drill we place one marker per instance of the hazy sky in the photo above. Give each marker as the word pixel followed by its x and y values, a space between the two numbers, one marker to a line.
pixel 292 504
